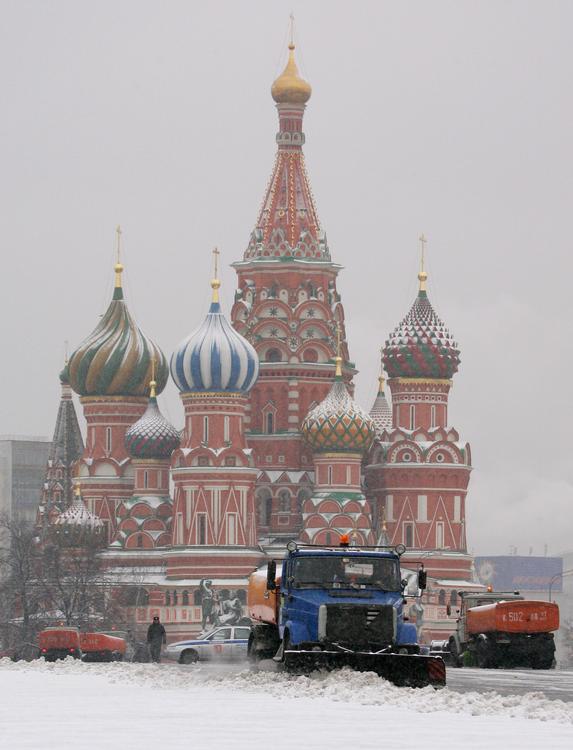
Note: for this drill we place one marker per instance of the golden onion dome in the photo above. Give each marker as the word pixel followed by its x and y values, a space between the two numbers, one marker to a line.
pixel 289 87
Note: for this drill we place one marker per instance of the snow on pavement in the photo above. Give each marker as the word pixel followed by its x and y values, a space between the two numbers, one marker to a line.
pixel 74 705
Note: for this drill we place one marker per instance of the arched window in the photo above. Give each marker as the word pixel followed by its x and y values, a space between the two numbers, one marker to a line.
pixel 329 480
pixel 284 501
pixel 206 430
pixel 442 597
pixel 167 599
pixel 226 429
pixel 139 540
pixel 108 443
pixel 310 355
pixel 274 355
pixel 185 598
pixel 174 597
pixel 146 479
pixel 201 528
pixel 302 496
pixel 197 597
pixel 270 426
pixel 264 506
pixel 453 597
pixel 409 534
pixel 412 417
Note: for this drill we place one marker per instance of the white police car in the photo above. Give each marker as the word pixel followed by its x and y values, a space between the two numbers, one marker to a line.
pixel 222 644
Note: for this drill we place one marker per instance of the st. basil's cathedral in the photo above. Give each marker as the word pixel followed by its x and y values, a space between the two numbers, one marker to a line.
pixel 273 447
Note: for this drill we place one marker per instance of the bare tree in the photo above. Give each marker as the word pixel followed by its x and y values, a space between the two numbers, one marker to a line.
pixel 20 593
pixel 75 587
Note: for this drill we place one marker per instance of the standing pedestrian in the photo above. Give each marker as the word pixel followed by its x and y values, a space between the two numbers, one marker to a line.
pixel 156 637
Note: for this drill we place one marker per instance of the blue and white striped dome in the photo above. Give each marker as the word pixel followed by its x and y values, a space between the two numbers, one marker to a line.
pixel 215 358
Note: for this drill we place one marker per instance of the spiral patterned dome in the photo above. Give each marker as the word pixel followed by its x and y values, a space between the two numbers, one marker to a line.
pixel 338 423
pixel 215 357
pixel 152 436
pixel 421 346
pixel 117 358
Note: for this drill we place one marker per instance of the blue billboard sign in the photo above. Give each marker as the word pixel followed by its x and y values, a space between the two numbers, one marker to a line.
pixel 515 573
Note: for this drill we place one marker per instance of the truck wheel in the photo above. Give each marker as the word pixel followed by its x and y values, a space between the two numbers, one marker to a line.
pixel 483 655
pixel 455 657
pixel 189 657
pixel 263 642
pixel 543 660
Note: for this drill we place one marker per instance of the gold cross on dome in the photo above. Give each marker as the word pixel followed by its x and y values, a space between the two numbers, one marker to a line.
pixel 216 254
pixel 118 233
pixel 423 241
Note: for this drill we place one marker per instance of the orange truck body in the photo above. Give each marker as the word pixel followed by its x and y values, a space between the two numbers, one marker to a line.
pixel 98 642
pixel 513 617
pixel 59 639
pixel 262 605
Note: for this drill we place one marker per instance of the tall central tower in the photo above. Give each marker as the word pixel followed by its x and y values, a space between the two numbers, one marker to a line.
pixel 288 307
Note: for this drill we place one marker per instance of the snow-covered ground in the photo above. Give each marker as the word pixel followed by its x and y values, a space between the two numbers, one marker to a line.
pixel 74 705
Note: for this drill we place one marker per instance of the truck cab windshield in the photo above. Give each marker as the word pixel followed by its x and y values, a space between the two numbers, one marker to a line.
pixel 332 572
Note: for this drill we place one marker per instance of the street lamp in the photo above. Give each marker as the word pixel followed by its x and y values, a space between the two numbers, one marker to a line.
pixel 555 577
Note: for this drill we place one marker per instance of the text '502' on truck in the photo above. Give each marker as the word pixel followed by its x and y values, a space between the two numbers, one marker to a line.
pixel 332 607
pixel 497 629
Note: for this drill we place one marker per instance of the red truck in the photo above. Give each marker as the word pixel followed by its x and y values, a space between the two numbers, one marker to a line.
pixel 60 642
pixel 503 629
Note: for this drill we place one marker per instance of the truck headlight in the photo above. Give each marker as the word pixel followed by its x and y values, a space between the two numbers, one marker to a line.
pixel 322 622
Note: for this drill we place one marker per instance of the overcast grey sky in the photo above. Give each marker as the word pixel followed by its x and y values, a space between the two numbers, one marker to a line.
pixel 451 118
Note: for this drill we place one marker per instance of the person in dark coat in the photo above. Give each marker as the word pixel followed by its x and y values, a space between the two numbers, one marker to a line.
pixel 156 637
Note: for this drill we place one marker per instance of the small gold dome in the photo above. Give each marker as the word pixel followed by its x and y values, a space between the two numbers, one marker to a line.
pixel 289 87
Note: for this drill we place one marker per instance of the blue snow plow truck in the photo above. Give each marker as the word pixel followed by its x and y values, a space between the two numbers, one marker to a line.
pixel 333 607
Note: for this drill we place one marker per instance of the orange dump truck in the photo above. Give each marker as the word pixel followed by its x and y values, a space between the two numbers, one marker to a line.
pixel 504 629
pixel 101 647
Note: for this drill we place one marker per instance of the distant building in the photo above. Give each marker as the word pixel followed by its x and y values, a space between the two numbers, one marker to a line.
pixel 22 470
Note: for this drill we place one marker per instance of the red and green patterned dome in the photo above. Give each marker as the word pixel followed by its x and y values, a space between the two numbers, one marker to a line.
pixel 421 346
pixel 338 423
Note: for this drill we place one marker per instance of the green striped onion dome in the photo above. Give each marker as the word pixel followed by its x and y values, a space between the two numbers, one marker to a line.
pixel 117 358
pixel 421 346
pixel 338 423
